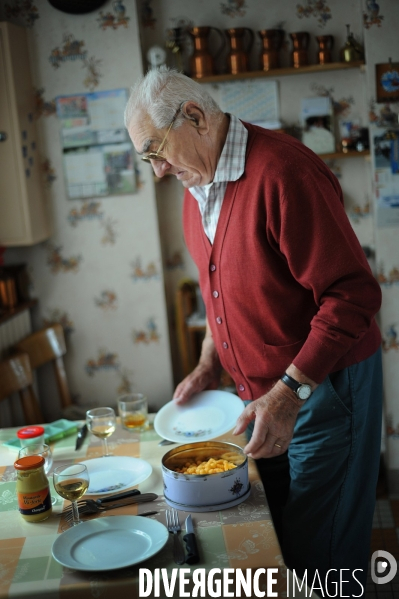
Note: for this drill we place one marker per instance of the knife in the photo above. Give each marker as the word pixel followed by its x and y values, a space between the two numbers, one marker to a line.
pixel 118 496
pixel 81 437
pixel 191 543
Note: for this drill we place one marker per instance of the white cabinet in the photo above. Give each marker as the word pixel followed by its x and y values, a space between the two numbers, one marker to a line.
pixel 23 215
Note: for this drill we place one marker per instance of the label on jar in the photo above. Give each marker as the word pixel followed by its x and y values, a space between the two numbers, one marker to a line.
pixel 31 504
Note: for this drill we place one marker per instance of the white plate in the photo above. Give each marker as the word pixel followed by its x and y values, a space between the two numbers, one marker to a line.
pixel 109 543
pixel 207 415
pixel 115 473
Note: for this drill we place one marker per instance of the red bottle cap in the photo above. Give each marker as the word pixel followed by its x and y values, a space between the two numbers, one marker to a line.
pixel 29 462
pixel 30 432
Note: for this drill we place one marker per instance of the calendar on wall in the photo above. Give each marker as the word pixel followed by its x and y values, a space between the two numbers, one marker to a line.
pixel 98 155
pixel 254 101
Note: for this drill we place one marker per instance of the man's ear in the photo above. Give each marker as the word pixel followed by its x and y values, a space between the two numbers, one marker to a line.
pixel 196 115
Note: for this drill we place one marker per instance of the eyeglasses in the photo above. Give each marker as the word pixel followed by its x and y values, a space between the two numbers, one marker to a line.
pixel 157 155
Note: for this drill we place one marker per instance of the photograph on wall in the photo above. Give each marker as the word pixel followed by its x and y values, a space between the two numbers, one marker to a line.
pixel 98 154
pixel 385 149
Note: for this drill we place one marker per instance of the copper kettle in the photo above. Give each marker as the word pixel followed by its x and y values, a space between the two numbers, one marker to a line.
pixel 300 41
pixel 202 62
pixel 326 43
pixel 272 40
pixel 238 56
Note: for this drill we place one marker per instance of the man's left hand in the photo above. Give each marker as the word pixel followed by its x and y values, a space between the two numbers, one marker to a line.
pixel 275 414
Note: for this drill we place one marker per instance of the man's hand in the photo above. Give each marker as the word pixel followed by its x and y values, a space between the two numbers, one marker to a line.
pixel 275 414
pixel 202 377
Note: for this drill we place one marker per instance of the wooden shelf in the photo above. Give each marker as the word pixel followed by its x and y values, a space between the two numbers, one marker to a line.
pixel 339 155
pixel 312 68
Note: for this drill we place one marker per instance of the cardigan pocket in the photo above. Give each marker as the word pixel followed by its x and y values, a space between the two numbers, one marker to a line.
pixel 278 357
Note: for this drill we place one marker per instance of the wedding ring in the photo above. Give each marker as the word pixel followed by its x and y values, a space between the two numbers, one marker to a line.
pixel 277 445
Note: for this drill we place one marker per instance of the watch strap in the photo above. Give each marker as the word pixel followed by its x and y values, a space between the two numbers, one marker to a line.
pixel 290 382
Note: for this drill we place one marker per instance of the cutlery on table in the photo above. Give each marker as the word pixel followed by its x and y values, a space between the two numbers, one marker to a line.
pixel 117 496
pixel 191 542
pixel 81 437
pixel 173 526
pixel 90 506
pixel 69 516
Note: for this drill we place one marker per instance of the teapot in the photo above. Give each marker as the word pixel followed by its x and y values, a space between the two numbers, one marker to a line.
pixel 272 40
pixel 352 50
pixel 300 40
pixel 238 57
pixel 202 62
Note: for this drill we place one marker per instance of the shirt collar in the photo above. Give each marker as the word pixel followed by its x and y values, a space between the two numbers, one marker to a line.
pixel 231 163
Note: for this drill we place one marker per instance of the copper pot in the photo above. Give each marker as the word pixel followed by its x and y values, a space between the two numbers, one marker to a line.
pixel 202 62
pixel 238 57
pixel 272 40
pixel 326 43
pixel 300 41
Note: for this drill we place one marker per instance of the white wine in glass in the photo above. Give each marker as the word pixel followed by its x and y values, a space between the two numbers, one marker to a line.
pixel 101 422
pixel 72 482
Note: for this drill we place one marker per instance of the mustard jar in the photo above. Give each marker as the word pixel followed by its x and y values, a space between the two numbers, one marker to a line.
pixel 33 492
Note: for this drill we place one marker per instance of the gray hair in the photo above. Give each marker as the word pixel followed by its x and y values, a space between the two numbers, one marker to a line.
pixel 160 93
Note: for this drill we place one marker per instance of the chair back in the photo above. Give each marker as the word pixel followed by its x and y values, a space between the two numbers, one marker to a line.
pixel 16 377
pixel 48 345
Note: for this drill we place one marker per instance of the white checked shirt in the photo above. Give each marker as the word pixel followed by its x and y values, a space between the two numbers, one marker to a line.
pixel 230 167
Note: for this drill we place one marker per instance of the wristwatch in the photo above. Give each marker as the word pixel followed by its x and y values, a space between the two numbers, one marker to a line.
pixel 302 390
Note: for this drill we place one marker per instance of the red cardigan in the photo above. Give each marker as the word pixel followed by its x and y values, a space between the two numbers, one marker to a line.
pixel 286 279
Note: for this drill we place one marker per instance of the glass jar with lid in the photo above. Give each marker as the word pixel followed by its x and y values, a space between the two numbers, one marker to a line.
pixel 30 434
pixel 33 492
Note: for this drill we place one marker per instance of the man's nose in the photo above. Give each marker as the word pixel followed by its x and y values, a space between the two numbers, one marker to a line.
pixel 160 167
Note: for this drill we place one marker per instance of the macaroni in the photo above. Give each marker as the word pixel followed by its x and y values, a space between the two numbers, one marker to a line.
pixel 211 466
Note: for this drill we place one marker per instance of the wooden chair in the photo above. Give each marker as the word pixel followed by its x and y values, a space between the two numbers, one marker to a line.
pixel 16 377
pixel 190 333
pixel 48 345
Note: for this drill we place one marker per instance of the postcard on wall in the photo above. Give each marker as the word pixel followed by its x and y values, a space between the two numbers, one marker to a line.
pixel 98 155
pixel 317 124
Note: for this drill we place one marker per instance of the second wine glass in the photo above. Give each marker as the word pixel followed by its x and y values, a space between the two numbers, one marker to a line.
pixel 101 422
pixel 72 482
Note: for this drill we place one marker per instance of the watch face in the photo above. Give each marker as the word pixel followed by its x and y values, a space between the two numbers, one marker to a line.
pixel 304 392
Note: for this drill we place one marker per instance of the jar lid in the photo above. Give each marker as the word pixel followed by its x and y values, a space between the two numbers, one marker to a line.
pixel 30 432
pixel 29 462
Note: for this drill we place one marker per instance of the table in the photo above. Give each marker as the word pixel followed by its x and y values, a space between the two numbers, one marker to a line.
pixel 240 537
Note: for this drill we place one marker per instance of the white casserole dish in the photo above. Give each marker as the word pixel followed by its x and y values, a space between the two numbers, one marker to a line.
pixel 205 492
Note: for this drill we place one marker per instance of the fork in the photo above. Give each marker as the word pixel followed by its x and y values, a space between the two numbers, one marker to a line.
pixel 90 506
pixel 173 526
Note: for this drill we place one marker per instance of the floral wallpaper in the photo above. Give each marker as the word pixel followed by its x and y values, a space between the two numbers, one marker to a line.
pixel 100 273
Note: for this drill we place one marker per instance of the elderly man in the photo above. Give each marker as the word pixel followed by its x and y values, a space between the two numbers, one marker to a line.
pixel 290 303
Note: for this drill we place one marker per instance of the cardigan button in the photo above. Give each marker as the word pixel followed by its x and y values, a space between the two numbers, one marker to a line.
pixel 213 267
pixel 225 345
pixel 219 320
pixel 241 388
pixel 215 294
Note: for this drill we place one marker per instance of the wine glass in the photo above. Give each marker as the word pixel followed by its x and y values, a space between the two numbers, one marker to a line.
pixel 72 482
pixel 101 422
pixel 43 450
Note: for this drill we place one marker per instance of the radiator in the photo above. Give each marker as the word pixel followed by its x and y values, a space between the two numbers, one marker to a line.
pixel 12 331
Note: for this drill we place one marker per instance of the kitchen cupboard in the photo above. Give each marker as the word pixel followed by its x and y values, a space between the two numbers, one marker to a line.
pixel 23 215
